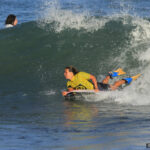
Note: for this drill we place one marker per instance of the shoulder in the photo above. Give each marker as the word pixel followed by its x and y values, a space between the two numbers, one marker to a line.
pixel 83 74
pixel 8 25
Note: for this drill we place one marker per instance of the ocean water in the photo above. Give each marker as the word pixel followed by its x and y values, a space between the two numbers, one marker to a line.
pixel 95 36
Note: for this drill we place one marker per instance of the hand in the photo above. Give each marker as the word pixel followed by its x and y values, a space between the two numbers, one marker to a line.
pixel 96 90
pixel 64 93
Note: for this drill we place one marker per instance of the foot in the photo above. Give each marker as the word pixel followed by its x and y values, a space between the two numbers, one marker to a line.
pixel 116 73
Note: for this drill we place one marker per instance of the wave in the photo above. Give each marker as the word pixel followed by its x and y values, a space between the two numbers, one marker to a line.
pixel 33 55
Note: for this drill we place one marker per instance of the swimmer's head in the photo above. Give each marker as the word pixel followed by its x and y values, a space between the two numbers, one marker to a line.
pixel 70 72
pixel 11 19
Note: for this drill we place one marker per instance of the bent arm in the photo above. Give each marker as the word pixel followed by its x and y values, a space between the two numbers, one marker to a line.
pixel 94 82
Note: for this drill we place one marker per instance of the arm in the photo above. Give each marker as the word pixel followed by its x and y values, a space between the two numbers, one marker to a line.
pixel 64 93
pixel 94 82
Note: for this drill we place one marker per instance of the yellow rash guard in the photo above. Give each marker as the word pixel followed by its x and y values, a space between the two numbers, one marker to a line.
pixel 80 81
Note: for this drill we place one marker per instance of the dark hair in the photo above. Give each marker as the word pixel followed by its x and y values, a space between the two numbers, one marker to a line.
pixel 10 19
pixel 72 69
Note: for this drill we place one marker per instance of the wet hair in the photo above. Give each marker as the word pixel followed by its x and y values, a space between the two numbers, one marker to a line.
pixel 72 69
pixel 10 19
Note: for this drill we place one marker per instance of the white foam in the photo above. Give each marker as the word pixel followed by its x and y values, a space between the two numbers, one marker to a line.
pixel 50 92
pixel 65 19
pixel 142 30
pixel 145 55
pixel 135 94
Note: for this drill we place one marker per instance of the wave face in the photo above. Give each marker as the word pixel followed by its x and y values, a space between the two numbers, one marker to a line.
pixel 33 55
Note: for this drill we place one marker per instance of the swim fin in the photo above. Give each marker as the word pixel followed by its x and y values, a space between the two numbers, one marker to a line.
pixel 117 72
pixel 130 79
pixel 136 76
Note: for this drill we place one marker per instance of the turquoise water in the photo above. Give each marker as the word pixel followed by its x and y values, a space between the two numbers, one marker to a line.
pixel 96 37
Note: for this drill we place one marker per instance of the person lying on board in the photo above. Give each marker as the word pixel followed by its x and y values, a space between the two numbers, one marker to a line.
pixel 80 80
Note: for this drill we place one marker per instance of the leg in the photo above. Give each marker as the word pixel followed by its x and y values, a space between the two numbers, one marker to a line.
pixel 117 84
pixel 106 80
pixel 116 73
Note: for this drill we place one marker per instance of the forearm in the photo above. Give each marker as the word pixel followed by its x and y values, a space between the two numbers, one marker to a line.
pixel 94 81
pixel 64 93
pixel 70 89
pixel 95 84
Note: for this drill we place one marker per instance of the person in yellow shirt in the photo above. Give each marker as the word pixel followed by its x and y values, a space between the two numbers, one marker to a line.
pixel 81 80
